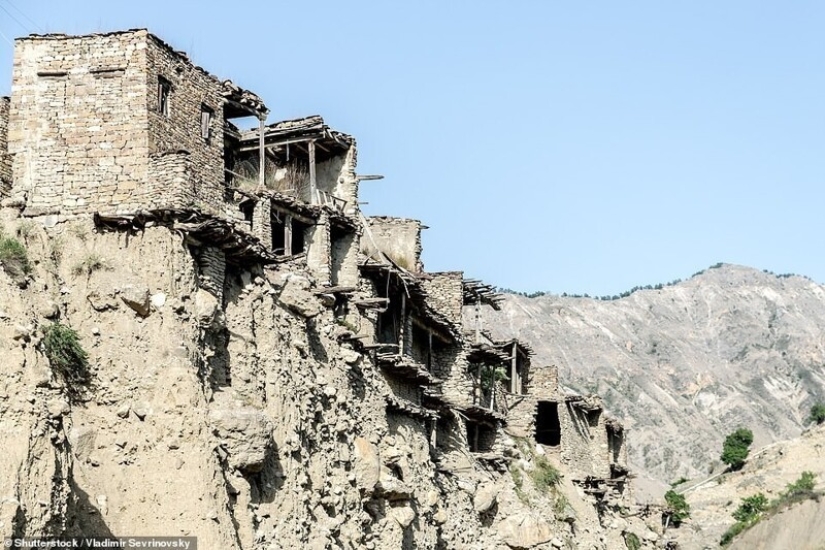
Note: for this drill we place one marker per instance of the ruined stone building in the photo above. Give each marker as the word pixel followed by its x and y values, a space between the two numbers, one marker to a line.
pixel 342 384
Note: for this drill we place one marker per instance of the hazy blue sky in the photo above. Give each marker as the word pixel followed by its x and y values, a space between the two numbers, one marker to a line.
pixel 576 146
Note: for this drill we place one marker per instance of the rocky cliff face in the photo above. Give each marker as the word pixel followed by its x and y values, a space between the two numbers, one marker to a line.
pixel 685 365
pixel 226 404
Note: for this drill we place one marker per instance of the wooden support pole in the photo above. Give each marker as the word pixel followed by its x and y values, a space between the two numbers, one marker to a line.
pixel 514 383
pixel 312 183
pixel 287 235
pixel 430 350
pixel 403 325
pixel 261 155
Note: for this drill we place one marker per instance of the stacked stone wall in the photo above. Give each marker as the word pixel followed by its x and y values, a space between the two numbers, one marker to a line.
pixel 584 447
pixel 398 238
pixel 319 250
pixel 179 128
pixel 344 258
pixel 5 159
pixel 77 123
pixel 170 182
pixel 445 293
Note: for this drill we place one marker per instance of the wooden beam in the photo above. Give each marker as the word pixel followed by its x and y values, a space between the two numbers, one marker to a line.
pixel 312 183
pixel 261 155
pixel 287 212
pixel 403 327
pixel 514 388
pixel 288 235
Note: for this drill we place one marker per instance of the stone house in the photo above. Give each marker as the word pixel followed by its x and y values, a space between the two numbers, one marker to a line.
pixel 118 123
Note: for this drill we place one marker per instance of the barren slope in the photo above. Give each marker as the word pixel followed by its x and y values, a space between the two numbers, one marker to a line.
pixel 768 471
pixel 684 365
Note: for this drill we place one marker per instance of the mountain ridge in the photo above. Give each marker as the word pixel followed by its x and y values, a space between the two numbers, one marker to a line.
pixel 686 364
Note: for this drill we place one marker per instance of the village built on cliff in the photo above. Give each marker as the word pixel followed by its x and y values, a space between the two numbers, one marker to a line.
pixel 123 129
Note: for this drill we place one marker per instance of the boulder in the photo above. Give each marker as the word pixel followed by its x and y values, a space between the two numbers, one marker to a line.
pixel 366 466
pixel 297 297
pixel 82 441
pixel 403 514
pixel 485 498
pixel 524 530
pixel 246 434
pixel 136 297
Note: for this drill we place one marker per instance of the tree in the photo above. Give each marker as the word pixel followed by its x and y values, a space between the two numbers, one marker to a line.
pixel 677 507
pixel 750 508
pixel 736 448
pixel 817 414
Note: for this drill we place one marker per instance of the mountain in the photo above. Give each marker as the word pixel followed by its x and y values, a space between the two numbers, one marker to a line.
pixel 685 364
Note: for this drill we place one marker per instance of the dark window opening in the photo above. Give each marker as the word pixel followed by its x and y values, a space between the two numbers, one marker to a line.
pixel 615 441
pixel 206 122
pixel 421 347
pixel 299 231
pixel 248 210
pixel 390 323
pixel 480 437
pixel 593 417
pixel 164 90
pixel 278 236
pixel 340 308
pixel 288 235
pixel 548 428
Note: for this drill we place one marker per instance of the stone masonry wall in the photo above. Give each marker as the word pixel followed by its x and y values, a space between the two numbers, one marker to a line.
pixel 170 182
pixel 584 448
pixel 445 291
pixel 398 238
pixel 318 250
pixel 521 414
pixel 77 126
pixel 180 128
pixel 5 159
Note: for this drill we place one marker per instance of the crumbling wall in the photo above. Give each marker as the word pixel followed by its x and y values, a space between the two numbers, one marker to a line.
pixel 584 448
pixel 78 122
pixel 398 238
pixel 5 158
pixel 344 257
pixel 319 249
pixel 445 293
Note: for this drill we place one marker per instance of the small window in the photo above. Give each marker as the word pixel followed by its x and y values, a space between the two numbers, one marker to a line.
pixel 164 89
pixel 206 122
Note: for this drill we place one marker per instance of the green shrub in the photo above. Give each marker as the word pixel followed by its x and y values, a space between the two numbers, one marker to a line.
pixel 66 356
pixel 518 481
pixel 13 257
pixel 91 263
pixel 805 484
pixel 544 475
pixel 631 540
pixel 677 507
pixel 490 375
pixel 679 481
pixel 731 533
pixel 736 448
pixel 750 508
pixel 817 414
